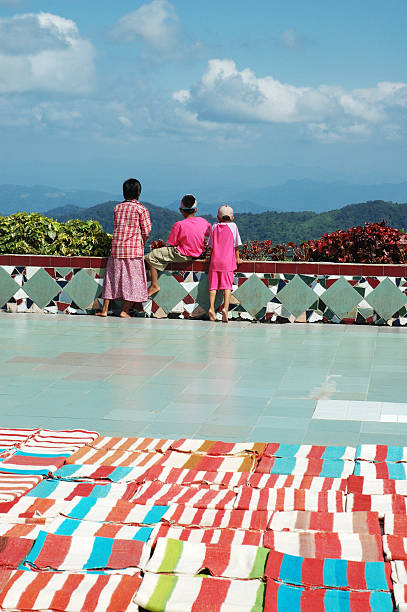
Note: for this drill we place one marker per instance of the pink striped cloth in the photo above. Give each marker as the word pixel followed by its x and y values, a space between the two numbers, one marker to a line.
pixel 31 464
pixel 209 463
pixel 290 499
pixel 210 447
pixel 196 477
pixel 297 466
pixel 65 490
pixel 10 438
pixel 132 445
pixel 393 504
pixel 395 524
pixel 13 486
pixel 314 483
pixel 70 592
pixel 395 548
pixel 31 507
pixel 224 537
pixel 23 528
pixel 340 522
pixel 309 451
pixel 117 511
pixel 198 497
pixel 58 441
pixel 376 486
pixel 117 458
pixel 230 519
pixel 323 545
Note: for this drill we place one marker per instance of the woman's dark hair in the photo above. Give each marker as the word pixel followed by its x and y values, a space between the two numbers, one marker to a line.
pixel 131 189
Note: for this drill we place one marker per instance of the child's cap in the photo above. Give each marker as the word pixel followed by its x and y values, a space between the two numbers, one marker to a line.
pixel 225 211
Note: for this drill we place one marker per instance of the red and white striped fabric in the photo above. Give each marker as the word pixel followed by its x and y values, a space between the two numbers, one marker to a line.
pixel 381 470
pixel 395 548
pixel 132 445
pixel 32 507
pixel 41 464
pixel 58 441
pixel 340 522
pixel 119 511
pixel 400 597
pixel 223 537
pixel 10 438
pixel 91 529
pixel 376 486
pixel 305 467
pixel 13 486
pixel 381 452
pixel 101 472
pixel 210 447
pixel 231 519
pixel 290 499
pixel 71 592
pixel 399 571
pixel 308 451
pixel 13 551
pixel 22 528
pixel 116 458
pixel 395 524
pixel 382 504
pixel 209 463
pixel 61 489
pixel 323 545
pixel 198 497
pixel 278 481
pixel 195 477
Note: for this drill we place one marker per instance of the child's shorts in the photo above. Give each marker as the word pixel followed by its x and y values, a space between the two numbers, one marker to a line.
pixel 220 280
pixel 160 258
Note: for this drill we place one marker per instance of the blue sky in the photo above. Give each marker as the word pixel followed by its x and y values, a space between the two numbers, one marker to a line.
pixel 188 91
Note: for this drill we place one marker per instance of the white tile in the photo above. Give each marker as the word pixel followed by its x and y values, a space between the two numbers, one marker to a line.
pixel 394 408
pixel 388 418
pixel 402 418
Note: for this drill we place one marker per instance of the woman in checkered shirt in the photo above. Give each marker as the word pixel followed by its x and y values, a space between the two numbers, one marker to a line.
pixel 125 276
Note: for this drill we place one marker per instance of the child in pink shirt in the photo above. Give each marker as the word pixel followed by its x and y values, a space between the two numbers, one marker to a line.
pixel 224 241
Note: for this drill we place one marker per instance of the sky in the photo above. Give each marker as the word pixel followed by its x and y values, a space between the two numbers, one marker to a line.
pixel 185 94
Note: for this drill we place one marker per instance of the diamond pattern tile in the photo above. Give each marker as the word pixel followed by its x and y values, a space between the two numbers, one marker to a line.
pixel 253 295
pixel 171 292
pixel 200 294
pixel 8 287
pixel 83 289
pixel 386 299
pixel 341 297
pixel 41 288
pixel 296 296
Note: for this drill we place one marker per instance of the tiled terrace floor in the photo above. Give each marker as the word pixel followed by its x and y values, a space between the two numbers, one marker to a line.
pixel 169 378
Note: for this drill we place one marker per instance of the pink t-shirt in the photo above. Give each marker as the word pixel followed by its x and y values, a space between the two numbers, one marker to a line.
pixel 189 234
pixel 224 239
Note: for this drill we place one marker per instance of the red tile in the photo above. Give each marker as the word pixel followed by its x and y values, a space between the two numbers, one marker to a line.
pixel 328 269
pixel 389 270
pixel 246 266
pixel 80 262
pixel 287 267
pixel 200 265
pixel 372 270
pixel 5 260
pixel 98 262
pixel 307 267
pixel 50 271
pixel 350 269
pixel 177 266
pixel 265 267
pixel 20 260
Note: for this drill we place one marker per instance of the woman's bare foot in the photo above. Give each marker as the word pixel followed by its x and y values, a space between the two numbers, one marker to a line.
pixel 212 315
pixel 125 315
pixel 225 316
pixel 101 314
pixel 153 289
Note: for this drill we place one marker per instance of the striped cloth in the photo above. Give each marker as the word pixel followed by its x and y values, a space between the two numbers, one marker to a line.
pixel 116 458
pixel 120 511
pixel 13 486
pixel 314 483
pixel 197 497
pixel 60 489
pixel 13 551
pixel 381 453
pixel 209 447
pixel 163 593
pixel 395 524
pixel 23 528
pixel 395 548
pixel 329 573
pixel 70 592
pixel 31 507
pixel 132 445
pixel 22 463
pixel 323 545
pixel 340 522
pixel 72 527
pixel 382 504
pixel 70 440
pixel 399 571
pixel 283 597
pixel 209 463
pixel 195 477
pixel 328 468
pixel 178 557
pixel 290 499
pixel 395 471
pixel 308 451
pixel 232 519
pixel 101 472
pixel 75 553
pixel 373 486
pixel 223 537
pixel 10 438
pixel 400 597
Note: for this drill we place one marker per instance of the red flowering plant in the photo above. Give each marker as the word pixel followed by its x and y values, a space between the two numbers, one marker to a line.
pixel 157 244
pixel 261 250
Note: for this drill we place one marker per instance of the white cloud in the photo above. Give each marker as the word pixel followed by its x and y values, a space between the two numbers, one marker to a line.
pixel 290 39
pixel 44 52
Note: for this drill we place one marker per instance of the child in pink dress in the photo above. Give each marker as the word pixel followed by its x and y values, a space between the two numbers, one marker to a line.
pixel 224 241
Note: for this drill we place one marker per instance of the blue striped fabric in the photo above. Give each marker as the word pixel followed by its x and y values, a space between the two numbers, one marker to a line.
pixel 69 472
pixel 47 487
pixel 84 506
pixel 394 453
pixel 330 452
pixel 331 468
pixel 396 471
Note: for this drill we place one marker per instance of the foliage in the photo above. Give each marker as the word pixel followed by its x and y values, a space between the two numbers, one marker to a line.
pixel 260 250
pixel 38 235
pixel 157 244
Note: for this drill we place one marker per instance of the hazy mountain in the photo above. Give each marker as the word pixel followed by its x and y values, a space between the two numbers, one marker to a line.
pixel 212 209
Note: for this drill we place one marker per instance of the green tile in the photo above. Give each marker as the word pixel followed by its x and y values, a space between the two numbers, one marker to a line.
pixel 8 287
pixel 63 271
pixel 341 297
pixel 386 299
pixel 171 292
pixel 342 438
pixel 253 295
pixel 200 293
pixel 41 288
pixel 284 436
pixel 324 425
pixel 296 296
pixel 83 289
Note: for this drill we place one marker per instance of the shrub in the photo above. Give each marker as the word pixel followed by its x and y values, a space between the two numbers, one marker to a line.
pixel 261 250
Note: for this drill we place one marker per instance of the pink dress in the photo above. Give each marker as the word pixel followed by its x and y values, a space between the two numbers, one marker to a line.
pixel 224 239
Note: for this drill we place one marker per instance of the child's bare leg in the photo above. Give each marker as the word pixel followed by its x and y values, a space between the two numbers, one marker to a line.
pixel 105 308
pixel 211 311
pixel 225 310
pixel 125 310
pixel 154 287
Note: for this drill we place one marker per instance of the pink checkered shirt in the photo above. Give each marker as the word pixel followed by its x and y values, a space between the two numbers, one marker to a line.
pixel 132 226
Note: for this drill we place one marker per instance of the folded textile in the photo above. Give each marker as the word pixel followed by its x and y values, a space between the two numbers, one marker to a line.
pixel 236 561
pixel 400 597
pixel 308 451
pixel 10 438
pixel 100 472
pixel 195 477
pixel 22 528
pixel 118 511
pixel 209 447
pixel 76 553
pixel 69 592
pixel 281 597
pixel 209 463
pixel 329 468
pixel 73 527
pixel 395 471
pixel 330 573
pixel 60 489
pixel 382 504
pixel 278 481
pixel 22 463
pixel 233 519
pixel 379 486
pixel 70 439
pixel 323 545
pixel 93 456
pixel 132 445
pixel 395 548
pixel 381 453
pixel 224 537
pixel 290 499
pixel 31 507
pixel 395 524
pixel 13 550
pixel 340 522
pixel 13 486
pixel 399 571
pixel 197 497
pixel 163 593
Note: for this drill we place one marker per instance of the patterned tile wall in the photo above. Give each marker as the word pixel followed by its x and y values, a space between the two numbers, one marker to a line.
pixel 263 291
